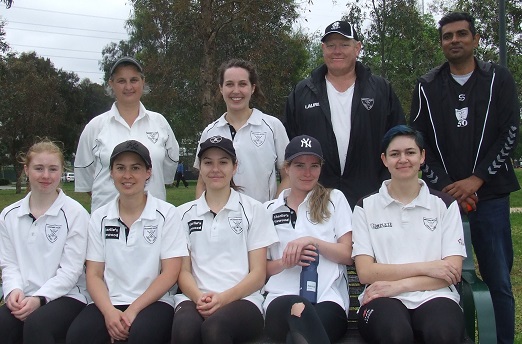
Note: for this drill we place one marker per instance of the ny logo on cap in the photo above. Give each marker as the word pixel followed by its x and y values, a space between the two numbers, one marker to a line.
pixel 307 143
pixel 215 139
pixel 335 26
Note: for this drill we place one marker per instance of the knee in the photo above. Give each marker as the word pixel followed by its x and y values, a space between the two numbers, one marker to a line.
pixel 213 330
pixel 438 336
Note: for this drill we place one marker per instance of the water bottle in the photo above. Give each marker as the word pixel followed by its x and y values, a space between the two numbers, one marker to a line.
pixel 308 286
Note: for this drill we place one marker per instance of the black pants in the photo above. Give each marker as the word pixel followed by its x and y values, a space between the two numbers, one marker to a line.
pixel 387 320
pixel 46 325
pixel 237 322
pixel 180 176
pixel 321 323
pixel 152 325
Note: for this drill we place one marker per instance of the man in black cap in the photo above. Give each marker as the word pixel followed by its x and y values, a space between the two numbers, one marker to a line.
pixel 348 109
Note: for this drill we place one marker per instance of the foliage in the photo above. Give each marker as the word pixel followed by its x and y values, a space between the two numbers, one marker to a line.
pixel 399 43
pixel 181 44
pixel 40 101
pixel 4 47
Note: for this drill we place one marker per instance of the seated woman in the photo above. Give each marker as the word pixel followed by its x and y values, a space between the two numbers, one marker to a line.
pixel 133 259
pixel 43 241
pixel 228 233
pixel 312 223
pixel 408 249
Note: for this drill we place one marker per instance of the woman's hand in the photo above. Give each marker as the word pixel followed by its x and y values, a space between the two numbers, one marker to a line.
pixel 299 249
pixel 209 303
pixel 117 324
pixel 28 306
pixel 444 270
pixel 14 299
pixel 381 289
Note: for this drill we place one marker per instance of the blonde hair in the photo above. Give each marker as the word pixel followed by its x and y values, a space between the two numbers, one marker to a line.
pixel 43 145
pixel 319 200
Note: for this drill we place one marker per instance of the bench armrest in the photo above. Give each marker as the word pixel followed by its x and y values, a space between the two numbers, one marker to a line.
pixel 475 298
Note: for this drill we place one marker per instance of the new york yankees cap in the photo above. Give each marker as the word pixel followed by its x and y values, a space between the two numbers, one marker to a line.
pixel 301 145
pixel 134 147
pixel 217 142
pixel 126 60
pixel 341 27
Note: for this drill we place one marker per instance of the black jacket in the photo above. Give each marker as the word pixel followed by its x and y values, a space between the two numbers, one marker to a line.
pixel 482 143
pixel 375 109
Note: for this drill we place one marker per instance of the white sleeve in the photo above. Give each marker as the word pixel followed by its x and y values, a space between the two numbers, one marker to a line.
pixel 170 163
pixel 261 232
pixel 281 141
pixel 362 243
pixel 84 161
pixel 72 260
pixel 452 233
pixel 11 275
pixel 174 240
pixel 342 214
pixel 95 243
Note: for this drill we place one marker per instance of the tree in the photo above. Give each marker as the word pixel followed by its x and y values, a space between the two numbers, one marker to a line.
pixel 39 101
pixel 182 43
pixel 4 47
pixel 399 43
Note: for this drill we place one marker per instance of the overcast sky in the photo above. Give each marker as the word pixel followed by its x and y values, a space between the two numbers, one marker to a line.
pixel 72 33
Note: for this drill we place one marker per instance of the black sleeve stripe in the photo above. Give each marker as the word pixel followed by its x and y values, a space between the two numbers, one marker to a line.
pixel 447 199
pixel 65 217
pixel 360 202
pixel 185 213
pixel 10 210
pixel 246 217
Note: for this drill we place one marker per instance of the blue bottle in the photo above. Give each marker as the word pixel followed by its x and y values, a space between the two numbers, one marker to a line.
pixel 308 286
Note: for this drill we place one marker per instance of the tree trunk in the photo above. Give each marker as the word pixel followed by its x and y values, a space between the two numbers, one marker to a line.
pixel 207 78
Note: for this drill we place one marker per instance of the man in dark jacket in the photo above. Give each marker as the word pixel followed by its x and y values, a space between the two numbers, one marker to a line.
pixel 469 115
pixel 348 109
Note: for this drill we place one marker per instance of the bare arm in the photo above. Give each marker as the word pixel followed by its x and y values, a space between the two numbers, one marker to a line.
pixel 186 281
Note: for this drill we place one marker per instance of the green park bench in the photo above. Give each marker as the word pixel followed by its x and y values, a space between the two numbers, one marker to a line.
pixel 475 301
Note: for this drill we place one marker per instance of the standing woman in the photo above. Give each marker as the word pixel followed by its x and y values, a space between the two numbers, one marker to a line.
pixel 408 248
pixel 133 259
pixel 127 119
pixel 43 241
pixel 259 139
pixel 311 221
pixel 221 279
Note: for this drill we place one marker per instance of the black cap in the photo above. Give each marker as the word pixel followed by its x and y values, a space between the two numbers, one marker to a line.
pixel 217 142
pixel 301 145
pixel 341 27
pixel 126 60
pixel 134 147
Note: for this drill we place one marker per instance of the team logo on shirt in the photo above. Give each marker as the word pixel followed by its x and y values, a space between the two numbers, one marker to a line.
pixel 112 232
pixel 195 226
pixel 150 233
pixel 153 136
pixel 236 223
pixel 258 138
pixel 281 218
pixel 51 232
pixel 309 218
pixel 431 224
pixel 367 103
pixel 462 115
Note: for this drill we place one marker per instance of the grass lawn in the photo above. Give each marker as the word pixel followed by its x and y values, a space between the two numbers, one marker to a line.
pixel 181 195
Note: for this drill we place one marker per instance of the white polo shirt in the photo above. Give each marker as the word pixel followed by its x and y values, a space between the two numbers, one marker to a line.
pixel 332 280
pixel 132 263
pixel 219 245
pixel 103 133
pixel 44 257
pixel 427 229
pixel 260 148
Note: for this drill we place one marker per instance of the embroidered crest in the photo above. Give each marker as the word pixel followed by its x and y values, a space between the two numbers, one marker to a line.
pixel 335 26
pixel 153 136
pixel 367 103
pixel 236 223
pixel 431 224
pixel 309 218
pixel 258 138
pixel 51 232
pixel 462 115
pixel 150 233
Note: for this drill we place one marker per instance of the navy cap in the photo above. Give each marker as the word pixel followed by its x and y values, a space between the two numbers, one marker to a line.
pixel 134 147
pixel 303 145
pixel 126 60
pixel 217 142
pixel 341 27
